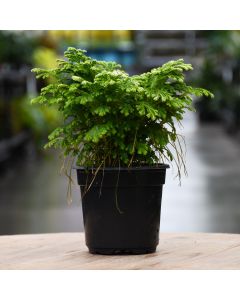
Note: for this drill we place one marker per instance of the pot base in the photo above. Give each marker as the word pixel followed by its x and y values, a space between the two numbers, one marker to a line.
pixel 113 251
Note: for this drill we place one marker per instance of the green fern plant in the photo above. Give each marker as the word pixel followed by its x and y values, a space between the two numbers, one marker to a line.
pixel 113 119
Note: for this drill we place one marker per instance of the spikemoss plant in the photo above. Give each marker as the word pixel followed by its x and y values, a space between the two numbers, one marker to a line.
pixel 113 119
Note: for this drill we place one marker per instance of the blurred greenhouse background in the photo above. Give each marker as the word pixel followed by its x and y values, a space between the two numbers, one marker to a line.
pixel 33 193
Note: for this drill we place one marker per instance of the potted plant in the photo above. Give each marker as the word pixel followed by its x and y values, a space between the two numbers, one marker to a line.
pixel 121 131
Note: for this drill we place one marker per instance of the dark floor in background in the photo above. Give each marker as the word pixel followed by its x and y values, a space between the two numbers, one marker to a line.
pixel 33 196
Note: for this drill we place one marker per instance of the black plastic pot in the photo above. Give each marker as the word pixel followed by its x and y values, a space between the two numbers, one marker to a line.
pixel 121 209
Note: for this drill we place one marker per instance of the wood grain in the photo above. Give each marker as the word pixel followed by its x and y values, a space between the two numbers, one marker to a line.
pixel 68 251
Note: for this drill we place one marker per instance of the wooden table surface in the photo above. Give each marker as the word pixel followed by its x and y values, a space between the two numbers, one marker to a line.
pixel 68 251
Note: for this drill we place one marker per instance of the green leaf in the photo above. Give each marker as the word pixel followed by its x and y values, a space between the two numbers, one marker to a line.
pixel 97 132
pixel 146 109
pixel 101 110
pixel 142 148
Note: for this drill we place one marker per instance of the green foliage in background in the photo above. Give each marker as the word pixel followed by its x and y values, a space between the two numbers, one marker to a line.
pixel 39 120
pixel 224 44
pixel 16 48
pixel 113 119
pixel 221 64
pixel 44 57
